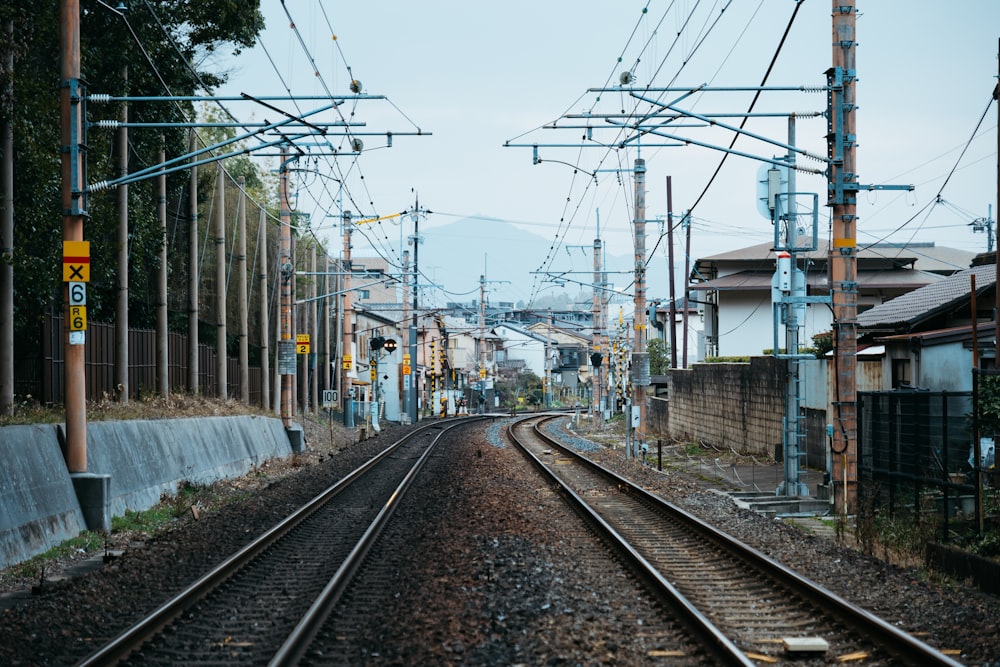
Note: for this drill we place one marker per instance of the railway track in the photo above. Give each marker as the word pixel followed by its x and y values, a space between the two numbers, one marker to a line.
pixel 742 604
pixel 263 604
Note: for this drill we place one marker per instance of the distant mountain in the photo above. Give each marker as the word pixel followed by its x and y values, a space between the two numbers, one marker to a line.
pixel 454 255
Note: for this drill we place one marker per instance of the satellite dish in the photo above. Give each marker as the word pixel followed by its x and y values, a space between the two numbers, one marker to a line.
pixel 626 78
pixel 355 86
pixel 357 145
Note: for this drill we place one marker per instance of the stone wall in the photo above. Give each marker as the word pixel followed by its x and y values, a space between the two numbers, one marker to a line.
pixel 738 406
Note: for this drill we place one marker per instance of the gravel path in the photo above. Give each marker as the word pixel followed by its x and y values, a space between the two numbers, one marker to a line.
pixel 510 585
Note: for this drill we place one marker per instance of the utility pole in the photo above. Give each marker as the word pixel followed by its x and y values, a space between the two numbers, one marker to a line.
pixel 480 344
pixel 843 254
pixel 221 356
pixel 414 376
pixel 121 302
pixel 74 207
pixel 162 333
pixel 672 310
pixel 193 277
pixel 243 300
pixel 597 317
pixel 640 358
pixel 348 333
pixel 265 325
pixel 286 356
pixel 407 374
pixel 686 221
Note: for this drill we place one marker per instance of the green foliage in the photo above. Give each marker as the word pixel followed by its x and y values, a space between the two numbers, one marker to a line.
pixel 659 356
pixel 727 360
pixel 989 404
pixel 172 34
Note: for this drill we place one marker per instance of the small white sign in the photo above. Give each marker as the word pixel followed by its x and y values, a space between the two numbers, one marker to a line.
pixel 77 294
pixel 329 398
pixel 77 337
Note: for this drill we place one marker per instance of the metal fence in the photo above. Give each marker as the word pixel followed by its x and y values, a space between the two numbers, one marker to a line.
pixel 914 458
pixel 39 369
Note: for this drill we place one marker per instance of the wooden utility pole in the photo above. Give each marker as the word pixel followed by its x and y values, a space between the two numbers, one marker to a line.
pixel 162 335
pixel 314 310
pixel 287 270
pixel 597 310
pixel 265 327
pixel 672 309
pixel 996 246
pixel 243 300
pixel 640 358
pixel 193 275
pixel 221 357
pixel 71 156
pixel 348 327
pixel 843 254
pixel 121 302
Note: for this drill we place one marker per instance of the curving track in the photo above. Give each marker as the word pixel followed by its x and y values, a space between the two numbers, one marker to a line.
pixel 744 604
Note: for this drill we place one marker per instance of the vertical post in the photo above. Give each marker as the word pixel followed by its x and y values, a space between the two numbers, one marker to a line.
pixel 243 299
pixel 324 310
pixel 221 365
pixel 672 310
pixel 640 358
pixel 686 221
pixel 843 253
pixel 121 301
pixel 265 360
pixel 162 334
pixel 407 374
pixel 287 269
pixel 193 277
pixel 73 212
pixel 595 336
pixel 7 243
pixel 414 360
pixel 348 326
pixel 314 310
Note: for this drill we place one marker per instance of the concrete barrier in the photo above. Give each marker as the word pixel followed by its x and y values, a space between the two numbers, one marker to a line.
pixel 146 459
pixel 38 506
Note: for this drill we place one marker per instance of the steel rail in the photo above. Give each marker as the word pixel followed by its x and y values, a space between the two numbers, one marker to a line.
pixel 717 643
pixel 295 647
pixel 119 648
pixel 910 649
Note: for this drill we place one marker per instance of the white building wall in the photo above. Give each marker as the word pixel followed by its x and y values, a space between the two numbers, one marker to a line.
pixel 746 324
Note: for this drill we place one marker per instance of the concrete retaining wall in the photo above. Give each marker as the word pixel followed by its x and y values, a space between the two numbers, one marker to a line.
pixel 145 459
pixel 38 506
pixel 738 406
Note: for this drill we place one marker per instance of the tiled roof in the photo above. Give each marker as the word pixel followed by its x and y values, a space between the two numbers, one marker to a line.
pixel 912 307
pixel 758 280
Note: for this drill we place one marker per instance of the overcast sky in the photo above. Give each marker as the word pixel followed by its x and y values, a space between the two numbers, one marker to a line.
pixel 475 75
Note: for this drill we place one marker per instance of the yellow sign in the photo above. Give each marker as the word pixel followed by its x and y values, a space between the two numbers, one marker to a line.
pixel 406 369
pixel 347 362
pixel 406 358
pixel 371 373
pixel 76 261
pixel 302 343
pixel 482 373
pixel 78 318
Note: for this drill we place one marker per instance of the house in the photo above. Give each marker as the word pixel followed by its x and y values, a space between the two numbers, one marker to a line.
pixel 733 289
pixel 926 336
pixel 570 365
pixel 522 349
pixel 691 321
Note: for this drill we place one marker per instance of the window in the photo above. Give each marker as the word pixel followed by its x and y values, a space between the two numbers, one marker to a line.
pixel 901 373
